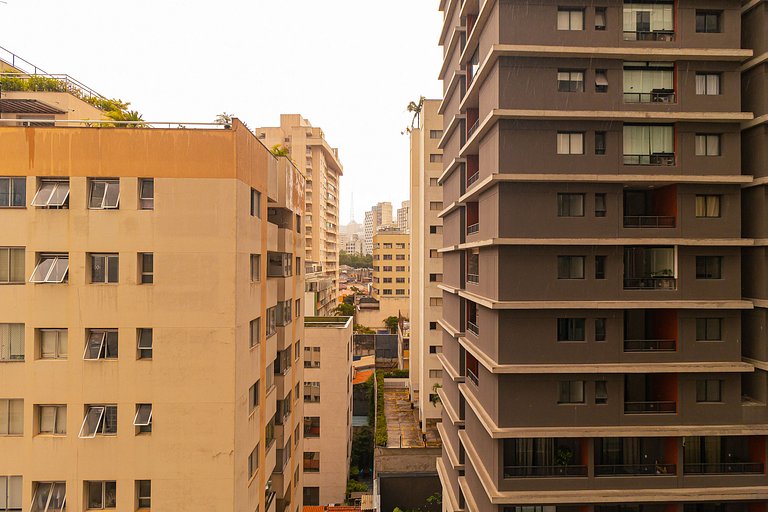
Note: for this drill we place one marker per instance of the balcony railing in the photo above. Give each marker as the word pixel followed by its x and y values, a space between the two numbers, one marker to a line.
pixel 472 128
pixel 666 159
pixel 644 35
pixel 715 468
pixel 472 376
pixel 657 407
pixel 635 469
pixel 650 283
pixel 472 179
pixel 473 328
pixel 649 221
pixel 649 345
pixel 473 278
pixel 543 471
pixel 650 97
pixel 473 228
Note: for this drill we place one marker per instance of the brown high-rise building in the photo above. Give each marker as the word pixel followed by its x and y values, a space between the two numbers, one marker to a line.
pixel 599 354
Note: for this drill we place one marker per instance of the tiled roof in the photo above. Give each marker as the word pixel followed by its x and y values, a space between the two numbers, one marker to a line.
pixel 362 376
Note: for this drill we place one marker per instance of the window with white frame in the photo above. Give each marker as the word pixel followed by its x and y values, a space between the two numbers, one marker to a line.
pixel 11 342
pixel 52 420
pixel 12 265
pixel 570 18
pixel 707 144
pixel 144 340
pixel 570 80
pixel 708 84
pixel 435 374
pixel 52 193
pixel 104 194
pixel 51 268
pixel 101 494
pixel 570 143
pixel 10 493
pixel 146 194
pixel 105 268
pixel 143 419
pixel 49 497
pixel 13 193
pixel 11 417
pixel 53 343
pixel 99 420
pixel 100 344
pixel 144 493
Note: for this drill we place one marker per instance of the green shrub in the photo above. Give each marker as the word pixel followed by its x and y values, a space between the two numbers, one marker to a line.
pixel 380 436
pixel 396 374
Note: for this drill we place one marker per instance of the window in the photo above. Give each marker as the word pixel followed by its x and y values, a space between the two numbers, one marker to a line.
pixel 11 342
pixel 11 417
pixel 312 392
pixel 311 426
pixel 570 19
pixel 601 392
pixel 255 203
pixel 51 268
pixel 49 496
pixel 708 21
pixel 271 321
pixel 387 268
pixel 570 143
pixel 101 494
pixel 311 462
pixel 386 280
pixel 709 329
pixel 311 496
pixel 144 493
pixel 99 420
pixel 387 257
pixel 600 18
pixel 707 206
pixel 10 493
pixel 284 312
pixel 435 206
pixel 104 194
pixel 147 267
pixel 709 267
pixel 298 266
pixel 101 344
pixel 435 158
pixel 105 268
pixel 435 374
pixel 571 392
pixel 472 368
pixel 279 264
pixel 708 84
pixel 146 194
pixel 311 357
pixel 52 420
pixel 570 205
pixel 253 462
pixel 649 144
pixel 570 329
pixel 600 329
pixel 13 194
pixel 707 144
pixel 435 134
pixel 53 343
pixel 709 390
pixel 600 267
pixel 432 326
pixel 400 280
pixel 435 349
pixel 435 278
pixel 253 397
pixel 11 265
pixel 143 418
pixel 601 85
pixel 434 182
pixel 435 301
pixel 600 205
pixel 570 81
pixel 599 143
pixel 298 308
pixel 399 291
pixel 435 230
pixel 298 230
pixel 144 343
pixel 255 268
pixel 399 268
pixel 433 253
pixel 570 267
pixel 52 194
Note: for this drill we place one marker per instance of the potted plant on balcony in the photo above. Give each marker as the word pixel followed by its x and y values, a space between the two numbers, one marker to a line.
pixel 563 458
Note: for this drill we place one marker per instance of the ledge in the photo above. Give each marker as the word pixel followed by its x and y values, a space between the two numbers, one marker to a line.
pixel 452 372
pixel 448 132
pixel 452 4
pixel 451 207
pixel 452 166
pixel 452 43
pixel 755 61
pixel 467 492
pixel 449 410
pixel 449 328
pixel 455 78
pixel 754 122
pixel 442 473
pixel 473 38
pixel 448 448
pixel 449 289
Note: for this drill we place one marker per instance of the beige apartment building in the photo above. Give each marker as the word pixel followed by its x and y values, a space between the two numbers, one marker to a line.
pixel 391 273
pixel 149 280
pixel 327 408
pixel 404 217
pixel 426 338
pixel 379 216
pixel 320 164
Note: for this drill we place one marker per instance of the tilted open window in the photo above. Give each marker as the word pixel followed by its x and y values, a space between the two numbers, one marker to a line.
pixel 49 497
pixel 101 344
pixel 104 194
pixel 52 194
pixel 99 419
pixel 51 268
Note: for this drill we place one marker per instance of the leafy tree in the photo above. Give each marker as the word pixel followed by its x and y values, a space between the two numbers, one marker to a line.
pixel 361 329
pixel 280 150
pixel 225 119
pixel 355 260
pixel 414 108
pixel 434 397
pixel 344 309
pixel 391 323
pixel 127 115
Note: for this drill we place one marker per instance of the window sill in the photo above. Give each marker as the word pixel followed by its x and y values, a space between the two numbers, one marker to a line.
pixel 12 283
pixel 11 361
pixel 49 435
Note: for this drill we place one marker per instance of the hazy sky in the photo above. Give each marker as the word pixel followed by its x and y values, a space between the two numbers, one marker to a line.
pixel 349 66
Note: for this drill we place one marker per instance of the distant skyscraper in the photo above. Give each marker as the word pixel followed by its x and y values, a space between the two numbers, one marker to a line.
pixel 378 216
pixel 404 216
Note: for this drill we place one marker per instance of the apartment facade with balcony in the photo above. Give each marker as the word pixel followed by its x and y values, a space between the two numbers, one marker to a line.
pixel 594 253
pixel 321 166
pixel 426 264
pixel 146 333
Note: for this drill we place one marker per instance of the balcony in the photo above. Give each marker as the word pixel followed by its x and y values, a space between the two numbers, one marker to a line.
pixel 651 208
pixel 635 469
pixel 649 268
pixel 473 278
pixel 543 471
pixel 635 456
pixel 655 407
pixel 727 455
pixel 649 21
pixel 473 228
pixel 473 328
pixel 654 96
pixel 724 468
pixel 650 330
pixel 650 393
pixel 649 35
pixel 649 345
pixel 649 221
pixel 663 159
pixel 650 283
pixel 472 179
pixel 544 457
